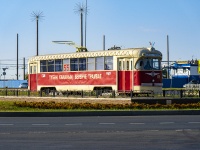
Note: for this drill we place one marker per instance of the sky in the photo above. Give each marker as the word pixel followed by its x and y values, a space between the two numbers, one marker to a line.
pixel 125 23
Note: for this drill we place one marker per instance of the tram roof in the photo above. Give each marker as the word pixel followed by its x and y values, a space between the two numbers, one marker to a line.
pixel 134 52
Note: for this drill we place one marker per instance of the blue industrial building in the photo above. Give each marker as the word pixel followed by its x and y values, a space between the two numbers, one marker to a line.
pixel 180 73
pixel 11 83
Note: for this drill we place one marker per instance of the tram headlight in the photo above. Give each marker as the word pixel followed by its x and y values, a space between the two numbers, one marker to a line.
pixel 153 82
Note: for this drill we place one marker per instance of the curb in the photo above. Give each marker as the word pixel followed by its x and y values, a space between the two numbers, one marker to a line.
pixel 99 113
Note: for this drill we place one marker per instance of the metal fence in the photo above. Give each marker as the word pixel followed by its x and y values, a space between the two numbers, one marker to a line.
pixel 101 94
pixel 192 86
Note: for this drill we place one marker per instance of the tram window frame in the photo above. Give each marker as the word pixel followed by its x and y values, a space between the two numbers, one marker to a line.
pixel 43 66
pixel 30 69
pixel 74 64
pixel 58 65
pixel 66 62
pixel 156 64
pixel 91 63
pixel 99 63
pixel 148 65
pixel 123 65
pixel 34 69
pixel 82 64
pixel 120 65
pixel 131 65
pixel 139 64
pixel 108 63
pixel 127 65
pixel 51 65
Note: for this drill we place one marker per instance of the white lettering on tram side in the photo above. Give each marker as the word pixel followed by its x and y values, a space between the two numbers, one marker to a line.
pixel 94 76
pixel 108 73
pixel 80 76
pixel 77 76
pixel 65 76
pixel 53 77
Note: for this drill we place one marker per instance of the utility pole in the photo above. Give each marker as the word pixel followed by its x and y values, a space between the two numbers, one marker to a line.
pixel 24 68
pixel 17 59
pixel 85 21
pixel 104 42
pixel 168 57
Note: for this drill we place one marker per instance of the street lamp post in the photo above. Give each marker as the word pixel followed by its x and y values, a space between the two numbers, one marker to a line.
pixel 36 16
pixel 4 74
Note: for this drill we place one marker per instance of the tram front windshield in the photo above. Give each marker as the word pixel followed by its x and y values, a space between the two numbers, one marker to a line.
pixel 148 64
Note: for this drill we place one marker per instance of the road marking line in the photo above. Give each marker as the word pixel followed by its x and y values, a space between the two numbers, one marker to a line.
pixel 194 122
pixel 73 124
pixel 6 124
pixel 135 123
pixel 37 124
pixel 4 133
pixel 37 132
pixel 105 123
pixel 188 129
pixel 179 130
pixel 166 122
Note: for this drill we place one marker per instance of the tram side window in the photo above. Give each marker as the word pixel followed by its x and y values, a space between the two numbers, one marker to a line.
pixel 108 63
pixel 58 65
pixel 34 69
pixel 120 65
pixel 156 64
pixel 82 64
pixel 131 65
pixel 30 69
pixel 127 65
pixel 74 64
pixel 139 64
pixel 43 66
pixel 50 65
pixel 91 63
pixel 66 64
pixel 100 63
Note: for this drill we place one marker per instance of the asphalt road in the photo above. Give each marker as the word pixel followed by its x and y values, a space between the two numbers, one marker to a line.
pixel 100 133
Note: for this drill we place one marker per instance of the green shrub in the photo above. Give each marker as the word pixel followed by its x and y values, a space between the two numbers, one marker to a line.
pixel 99 106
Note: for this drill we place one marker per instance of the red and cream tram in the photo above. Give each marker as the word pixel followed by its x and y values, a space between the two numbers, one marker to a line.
pixel 114 69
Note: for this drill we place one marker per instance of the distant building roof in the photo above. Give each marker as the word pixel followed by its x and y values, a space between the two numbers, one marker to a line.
pixel 187 62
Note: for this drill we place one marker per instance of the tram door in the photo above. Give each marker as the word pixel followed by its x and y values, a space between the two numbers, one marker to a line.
pixel 32 77
pixel 125 74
